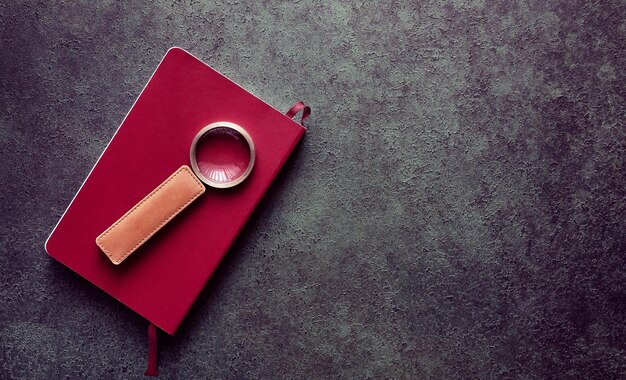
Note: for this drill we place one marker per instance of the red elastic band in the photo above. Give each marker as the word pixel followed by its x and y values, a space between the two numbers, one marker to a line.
pixel 152 351
pixel 297 108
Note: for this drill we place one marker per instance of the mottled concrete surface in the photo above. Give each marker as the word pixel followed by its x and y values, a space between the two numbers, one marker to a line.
pixel 456 210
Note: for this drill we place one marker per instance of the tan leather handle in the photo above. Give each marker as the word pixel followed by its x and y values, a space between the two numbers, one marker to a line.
pixel 148 216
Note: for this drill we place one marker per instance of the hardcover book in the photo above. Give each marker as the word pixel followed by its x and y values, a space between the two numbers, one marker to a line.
pixel 164 277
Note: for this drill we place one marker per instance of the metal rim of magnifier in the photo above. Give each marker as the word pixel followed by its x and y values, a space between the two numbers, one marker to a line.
pixel 194 162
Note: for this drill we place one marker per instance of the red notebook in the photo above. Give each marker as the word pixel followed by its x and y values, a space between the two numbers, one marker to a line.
pixel 162 280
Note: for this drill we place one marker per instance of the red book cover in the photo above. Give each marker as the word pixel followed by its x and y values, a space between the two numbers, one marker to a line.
pixel 163 279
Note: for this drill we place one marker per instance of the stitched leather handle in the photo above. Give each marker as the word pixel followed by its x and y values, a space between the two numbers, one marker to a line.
pixel 148 216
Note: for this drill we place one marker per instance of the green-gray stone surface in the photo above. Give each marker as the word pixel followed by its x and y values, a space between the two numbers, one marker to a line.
pixel 455 211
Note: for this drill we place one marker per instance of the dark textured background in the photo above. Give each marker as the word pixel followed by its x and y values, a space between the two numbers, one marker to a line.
pixel 455 211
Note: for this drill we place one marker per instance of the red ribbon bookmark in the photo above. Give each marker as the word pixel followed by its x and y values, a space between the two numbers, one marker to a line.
pixel 297 108
pixel 152 351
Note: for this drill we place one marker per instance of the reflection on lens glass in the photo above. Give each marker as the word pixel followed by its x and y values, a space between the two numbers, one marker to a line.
pixel 222 155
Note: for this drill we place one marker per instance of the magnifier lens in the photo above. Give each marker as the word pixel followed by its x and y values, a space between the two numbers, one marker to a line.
pixel 222 154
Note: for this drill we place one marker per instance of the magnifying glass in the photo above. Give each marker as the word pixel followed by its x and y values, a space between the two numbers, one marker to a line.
pixel 222 155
